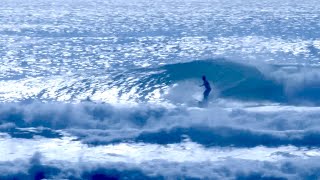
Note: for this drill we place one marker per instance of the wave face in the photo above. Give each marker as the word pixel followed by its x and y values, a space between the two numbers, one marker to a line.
pixel 103 89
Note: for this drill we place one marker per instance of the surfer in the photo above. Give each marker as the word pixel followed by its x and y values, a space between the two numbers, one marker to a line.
pixel 207 90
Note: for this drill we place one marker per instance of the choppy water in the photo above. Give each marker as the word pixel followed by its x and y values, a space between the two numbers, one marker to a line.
pixel 109 89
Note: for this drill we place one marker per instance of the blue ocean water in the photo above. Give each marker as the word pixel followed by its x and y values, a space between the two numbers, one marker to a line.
pixel 109 89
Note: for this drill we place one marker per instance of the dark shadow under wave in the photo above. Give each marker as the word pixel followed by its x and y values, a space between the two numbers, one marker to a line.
pixel 228 136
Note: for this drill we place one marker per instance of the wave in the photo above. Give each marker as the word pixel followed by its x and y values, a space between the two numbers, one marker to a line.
pixel 285 84
pixel 229 78
pixel 38 168
pixel 99 124
pixel 176 83
pixel 247 82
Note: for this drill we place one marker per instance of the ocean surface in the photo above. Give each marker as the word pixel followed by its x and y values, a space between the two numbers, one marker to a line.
pixel 109 89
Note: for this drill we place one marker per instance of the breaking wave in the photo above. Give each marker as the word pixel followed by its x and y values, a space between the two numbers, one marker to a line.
pixel 99 124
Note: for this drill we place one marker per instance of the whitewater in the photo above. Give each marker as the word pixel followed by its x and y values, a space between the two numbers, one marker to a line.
pixel 109 89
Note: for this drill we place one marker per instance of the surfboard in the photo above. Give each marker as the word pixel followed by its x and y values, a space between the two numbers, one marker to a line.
pixel 203 104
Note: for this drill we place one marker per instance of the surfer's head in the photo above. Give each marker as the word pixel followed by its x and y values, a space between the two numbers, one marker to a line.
pixel 203 77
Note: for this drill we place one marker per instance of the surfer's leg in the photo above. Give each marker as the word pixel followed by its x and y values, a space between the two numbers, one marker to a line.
pixel 206 94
